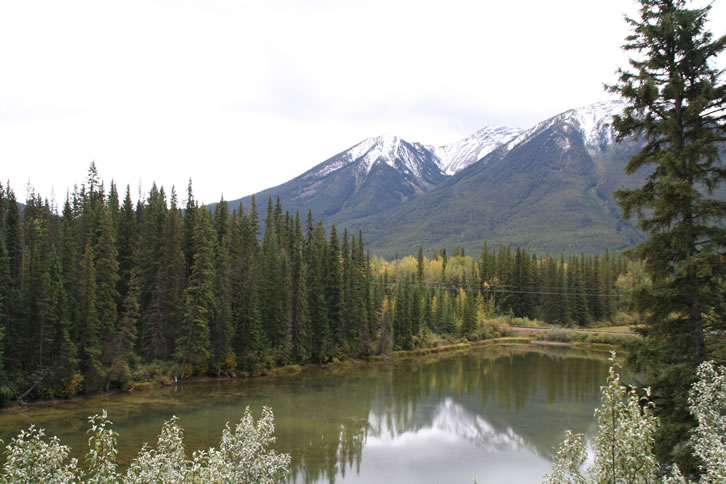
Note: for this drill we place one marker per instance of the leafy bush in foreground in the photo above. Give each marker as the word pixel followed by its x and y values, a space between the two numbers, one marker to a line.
pixel 243 456
pixel 623 447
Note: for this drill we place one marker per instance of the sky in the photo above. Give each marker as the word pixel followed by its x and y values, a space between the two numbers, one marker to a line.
pixel 243 95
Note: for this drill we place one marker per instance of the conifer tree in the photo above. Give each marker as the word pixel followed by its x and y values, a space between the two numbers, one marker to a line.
pixel 316 255
pixel 468 317
pixel 107 277
pixel 126 244
pixel 386 324
pixel 301 324
pixel 88 324
pixel 192 342
pixel 156 335
pixel 334 291
pixel 675 101
pixel 221 329
pixel 62 351
pixel 125 337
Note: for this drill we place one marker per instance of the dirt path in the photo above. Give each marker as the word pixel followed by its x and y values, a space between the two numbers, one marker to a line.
pixel 530 329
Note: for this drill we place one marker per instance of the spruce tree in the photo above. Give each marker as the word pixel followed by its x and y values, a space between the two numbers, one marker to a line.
pixel 89 334
pixel 126 243
pixel 675 103
pixel 192 342
pixel 125 337
pixel 221 328
pixel 106 265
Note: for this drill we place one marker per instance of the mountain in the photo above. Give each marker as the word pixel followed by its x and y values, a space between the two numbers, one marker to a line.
pixel 378 174
pixel 457 156
pixel 548 188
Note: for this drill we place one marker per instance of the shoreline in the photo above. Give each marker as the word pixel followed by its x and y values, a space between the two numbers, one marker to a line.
pixel 528 336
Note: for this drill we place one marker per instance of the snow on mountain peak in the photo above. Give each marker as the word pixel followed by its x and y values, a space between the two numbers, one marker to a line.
pixel 595 121
pixel 457 156
pixel 384 149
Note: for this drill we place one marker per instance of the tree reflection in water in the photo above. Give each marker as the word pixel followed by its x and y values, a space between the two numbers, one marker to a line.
pixel 509 404
pixel 488 412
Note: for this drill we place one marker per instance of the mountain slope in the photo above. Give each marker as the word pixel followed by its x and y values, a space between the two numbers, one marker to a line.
pixel 547 188
pixel 457 156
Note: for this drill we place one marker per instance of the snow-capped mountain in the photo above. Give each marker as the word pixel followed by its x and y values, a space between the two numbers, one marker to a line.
pixel 548 187
pixel 412 158
pixel 593 123
pixel 461 154
pixel 407 158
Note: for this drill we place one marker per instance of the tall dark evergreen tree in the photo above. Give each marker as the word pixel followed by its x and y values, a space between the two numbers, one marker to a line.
pixel 334 292
pixel 89 337
pixel 125 337
pixel 675 103
pixel 107 277
pixel 221 328
pixel 126 243
pixel 192 342
pixel 301 324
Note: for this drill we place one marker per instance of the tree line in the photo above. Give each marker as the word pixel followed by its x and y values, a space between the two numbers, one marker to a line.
pixel 90 296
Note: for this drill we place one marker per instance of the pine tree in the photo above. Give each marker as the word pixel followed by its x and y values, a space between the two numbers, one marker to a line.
pixel 89 335
pixel 107 277
pixel 386 337
pixel 221 329
pixel 675 102
pixel 62 351
pixel 126 243
pixel 156 335
pixel 334 292
pixel 301 330
pixel 273 288
pixel 172 270
pixel 192 342
pixel 125 337
pixel 315 254
pixel 468 317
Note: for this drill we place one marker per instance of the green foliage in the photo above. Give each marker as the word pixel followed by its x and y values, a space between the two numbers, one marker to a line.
pixel 31 458
pixel 133 296
pixel 625 441
pixel 675 99
pixel 243 456
pixel 623 447
pixel 707 401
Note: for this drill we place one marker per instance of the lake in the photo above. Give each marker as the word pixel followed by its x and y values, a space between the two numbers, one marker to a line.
pixel 495 413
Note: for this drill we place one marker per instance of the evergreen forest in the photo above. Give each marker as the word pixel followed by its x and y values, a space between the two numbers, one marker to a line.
pixel 105 292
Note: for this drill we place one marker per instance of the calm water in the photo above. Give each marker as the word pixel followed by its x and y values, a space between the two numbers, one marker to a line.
pixel 495 413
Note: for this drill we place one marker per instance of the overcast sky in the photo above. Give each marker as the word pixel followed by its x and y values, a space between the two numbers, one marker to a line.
pixel 244 95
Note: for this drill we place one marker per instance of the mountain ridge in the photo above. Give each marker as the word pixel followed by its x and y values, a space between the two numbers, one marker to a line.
pixel 547 188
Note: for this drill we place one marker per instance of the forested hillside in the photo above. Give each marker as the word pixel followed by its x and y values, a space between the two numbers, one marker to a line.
pixel 548 188
pixel 108 292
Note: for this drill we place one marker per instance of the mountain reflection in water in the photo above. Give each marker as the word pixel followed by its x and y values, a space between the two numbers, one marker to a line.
pixel 496 413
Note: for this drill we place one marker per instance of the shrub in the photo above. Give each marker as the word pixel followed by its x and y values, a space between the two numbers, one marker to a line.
pixel 243 456
pixel 623 447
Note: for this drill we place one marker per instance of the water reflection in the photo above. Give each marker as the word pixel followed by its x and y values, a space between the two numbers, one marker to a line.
pixel 495 413
pixel 489 413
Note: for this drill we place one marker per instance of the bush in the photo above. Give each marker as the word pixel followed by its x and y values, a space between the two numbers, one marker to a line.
pixel 623 447
pixel 243 456
pixel 561 335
